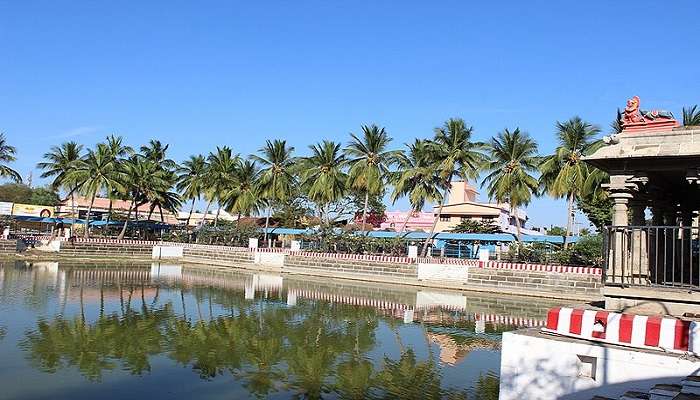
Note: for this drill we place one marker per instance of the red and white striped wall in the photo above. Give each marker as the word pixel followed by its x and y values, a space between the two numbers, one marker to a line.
pixel 641 331
pixel 449 261
pixel 360 257
pixel 541 267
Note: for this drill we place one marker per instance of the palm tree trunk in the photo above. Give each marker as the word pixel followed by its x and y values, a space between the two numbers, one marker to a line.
pixel 216 217
pixel 364 211
pixel 189 216
pixel 160 210
pixel 73 212
pixel 569 218
pixel 514 212
pixel 126 221
pixel 405 221
pixel 87 218
pixel 109 212
pixel 206 212
pixel 435 221
pixel 267 222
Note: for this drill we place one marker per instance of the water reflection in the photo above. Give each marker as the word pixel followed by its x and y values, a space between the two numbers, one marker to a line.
pixel 268 335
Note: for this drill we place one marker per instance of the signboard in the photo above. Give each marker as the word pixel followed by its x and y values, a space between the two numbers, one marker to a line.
pixel 5 208
pixel 33 210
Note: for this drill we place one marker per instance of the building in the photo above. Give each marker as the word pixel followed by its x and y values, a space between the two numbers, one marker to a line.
pixel 462 204
pixel 101 208
pixel 196 217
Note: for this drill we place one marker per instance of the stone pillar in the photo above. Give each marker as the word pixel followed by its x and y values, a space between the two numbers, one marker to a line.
pixel 618 269
pixel 657 252
pixel 639 256
pixel 685 261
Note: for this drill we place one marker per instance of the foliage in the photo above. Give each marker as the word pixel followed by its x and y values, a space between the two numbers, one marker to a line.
pixel 556 231
pixel 323 176
pixel 597 210
pixel 586 252
pixel 564 174
pixel 453 154
pixel 7 155
pixel 415 177
pixel 20 193
pixel 369 161
pixel 15 193
pixel 691 116
pixel 475 226
pixel 327 241
pixel 512 161
pixel 44 196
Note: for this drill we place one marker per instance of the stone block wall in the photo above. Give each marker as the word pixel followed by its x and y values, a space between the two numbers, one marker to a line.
pixel 8 247
pixel 556 283
pixel 218 255
pixel 122 249
pixel 340 266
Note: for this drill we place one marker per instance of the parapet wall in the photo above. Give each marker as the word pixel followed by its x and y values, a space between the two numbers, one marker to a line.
pixel 112 249
pixel 8 247
pixel 563 282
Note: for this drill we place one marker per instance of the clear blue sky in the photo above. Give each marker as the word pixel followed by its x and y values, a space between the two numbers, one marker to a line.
pixel 202 74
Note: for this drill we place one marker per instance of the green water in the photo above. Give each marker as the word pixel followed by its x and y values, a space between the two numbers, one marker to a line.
pixel 79 331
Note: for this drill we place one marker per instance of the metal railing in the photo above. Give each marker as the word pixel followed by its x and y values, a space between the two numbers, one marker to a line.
pixel 664 256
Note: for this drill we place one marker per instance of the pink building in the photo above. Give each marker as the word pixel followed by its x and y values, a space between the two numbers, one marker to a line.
pixel 420 221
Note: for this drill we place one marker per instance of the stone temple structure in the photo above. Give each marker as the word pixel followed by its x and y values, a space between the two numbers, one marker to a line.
pixel 652 246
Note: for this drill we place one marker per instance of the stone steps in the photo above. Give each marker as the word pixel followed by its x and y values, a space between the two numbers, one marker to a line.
pixel 688 389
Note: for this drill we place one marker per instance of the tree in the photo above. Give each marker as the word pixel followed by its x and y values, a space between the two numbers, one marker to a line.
pixel 139 177
pixel 44 196
pixel 323 175
pixel 60 162
pixel 691 116
pixel 7 155
pixel 244 198
pixel 454 155
pixel 473 226
pixel 276 177
pixel 415 178
pixel 95 172
pixel 512 161
pixel 221 177
pixel 564 173
pixel 15 193
pixel 118 151
pixel 191 180
pixel 369 162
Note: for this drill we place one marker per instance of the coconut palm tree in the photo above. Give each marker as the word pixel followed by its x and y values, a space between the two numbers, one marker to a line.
pixel 323 175
pixel 191 180
pixel 369 162
pixel 164 198
pixel 221 177
pixel 276 178
pixel 691 116
pixel 156 152
pixel 7 155
pixel 245 198
pixel 563 173
pixel 95 172
pixel 118 151
pixel 140 177
pixel 60 162
pixel 415 178
pixel 455 156
pixel 512 161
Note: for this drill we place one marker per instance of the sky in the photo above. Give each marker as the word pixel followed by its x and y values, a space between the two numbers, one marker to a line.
pixel 201 74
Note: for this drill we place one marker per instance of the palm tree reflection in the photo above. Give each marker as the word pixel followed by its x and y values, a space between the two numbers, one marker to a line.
pixel 307 350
